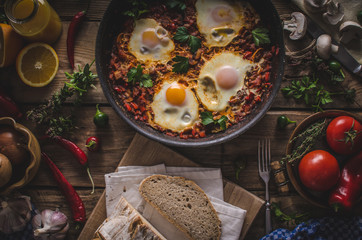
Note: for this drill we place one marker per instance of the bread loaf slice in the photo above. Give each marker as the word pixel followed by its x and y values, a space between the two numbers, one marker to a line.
pixel 184 204
pixel 126 223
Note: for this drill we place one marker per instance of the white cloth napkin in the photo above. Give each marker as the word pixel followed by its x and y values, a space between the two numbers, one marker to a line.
pixel 126 181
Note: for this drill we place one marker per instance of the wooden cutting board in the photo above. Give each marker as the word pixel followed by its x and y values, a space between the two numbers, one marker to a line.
pixel 145 152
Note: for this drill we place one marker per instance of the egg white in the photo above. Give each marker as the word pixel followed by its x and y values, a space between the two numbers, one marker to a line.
pixel 175 118
pixel 211 95
pixel 161 52
pixel 220 21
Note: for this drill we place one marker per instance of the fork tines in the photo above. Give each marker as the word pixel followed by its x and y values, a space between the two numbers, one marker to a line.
pixel 264 156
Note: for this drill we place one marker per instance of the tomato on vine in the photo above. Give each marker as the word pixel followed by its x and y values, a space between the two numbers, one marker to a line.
pixel 344 135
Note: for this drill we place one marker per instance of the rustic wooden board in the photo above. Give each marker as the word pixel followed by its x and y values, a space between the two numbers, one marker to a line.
pixel 152 153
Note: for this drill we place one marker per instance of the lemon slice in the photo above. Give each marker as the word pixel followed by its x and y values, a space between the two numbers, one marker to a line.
pixel 37 64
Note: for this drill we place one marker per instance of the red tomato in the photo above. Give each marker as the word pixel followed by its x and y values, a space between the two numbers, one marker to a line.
pixel 344 135
pixel 319 170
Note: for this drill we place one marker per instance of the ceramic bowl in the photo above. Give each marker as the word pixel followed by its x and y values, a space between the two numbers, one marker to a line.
pixel 319 199
pixel 33 148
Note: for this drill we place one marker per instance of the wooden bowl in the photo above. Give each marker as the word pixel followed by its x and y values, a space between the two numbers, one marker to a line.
pixel 33 147
pixel 319 199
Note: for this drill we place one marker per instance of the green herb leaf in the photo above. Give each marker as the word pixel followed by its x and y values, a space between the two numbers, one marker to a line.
pixel 222 122
pixel 181 65
pixel 135 75
pixel 50 115
pixel 260 36
pixel 176 4
pixel 182 35
pixel 146 81
pixel 207 118
pixel 139 8
pixel 293 218
pixel 194 43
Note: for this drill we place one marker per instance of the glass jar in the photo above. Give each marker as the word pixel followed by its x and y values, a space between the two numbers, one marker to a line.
pixel 35 20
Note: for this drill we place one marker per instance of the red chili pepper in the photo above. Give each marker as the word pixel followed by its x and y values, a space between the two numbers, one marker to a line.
pixel 8 108
pixel 77 153
pixel 349 187
pixel 93 144
pixel 75 202
pixel 72 30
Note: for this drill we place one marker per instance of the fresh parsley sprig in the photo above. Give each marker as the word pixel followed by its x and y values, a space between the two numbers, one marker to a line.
pixel 207 118
pixel 178 5
pixel 291 219
pixel 181 65
pixel 136 75
pixel 260 36
pixel 51 114
pixel 138 7
pixel 182 35
pixel 313 93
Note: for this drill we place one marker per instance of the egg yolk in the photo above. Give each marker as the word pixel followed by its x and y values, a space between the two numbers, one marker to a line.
pixel 176 95
pixel 150 39
pixel 227 77
pixel 222 14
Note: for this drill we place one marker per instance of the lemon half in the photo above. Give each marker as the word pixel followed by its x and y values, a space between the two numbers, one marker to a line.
pixel 37 64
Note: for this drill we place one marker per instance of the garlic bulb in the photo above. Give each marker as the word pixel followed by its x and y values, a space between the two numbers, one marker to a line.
pixel 50 225
pixel 15 213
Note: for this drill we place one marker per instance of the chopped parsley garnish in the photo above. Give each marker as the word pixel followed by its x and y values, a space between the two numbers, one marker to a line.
pixel 207 118
pixel 181 65
pixel 260 36
pixel 182 35
pixel 137 8
pixel 136 75
pixel 176 4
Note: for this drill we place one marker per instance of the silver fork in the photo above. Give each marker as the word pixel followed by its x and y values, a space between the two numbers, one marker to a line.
pixel 264 172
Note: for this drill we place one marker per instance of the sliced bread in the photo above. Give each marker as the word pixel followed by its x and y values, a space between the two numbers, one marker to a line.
pixel 126 223
pixel 184 204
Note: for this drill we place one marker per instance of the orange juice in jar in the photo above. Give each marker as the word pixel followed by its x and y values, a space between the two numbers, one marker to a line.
pixel 35 20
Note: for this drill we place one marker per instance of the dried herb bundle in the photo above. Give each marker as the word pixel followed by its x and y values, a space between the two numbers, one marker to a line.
pixel 51 114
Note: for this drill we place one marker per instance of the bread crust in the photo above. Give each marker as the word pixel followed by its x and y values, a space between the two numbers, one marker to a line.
pixel 135 226
pixel 187 182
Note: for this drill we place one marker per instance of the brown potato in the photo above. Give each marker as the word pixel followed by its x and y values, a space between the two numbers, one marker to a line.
pixel 12 145
pixel 5 170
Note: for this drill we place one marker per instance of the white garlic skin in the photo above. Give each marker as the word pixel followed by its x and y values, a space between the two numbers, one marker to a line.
pixel 15 213
pixel 50 225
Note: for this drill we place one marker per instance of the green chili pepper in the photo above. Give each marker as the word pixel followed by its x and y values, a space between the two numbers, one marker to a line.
pixel 100 119
pixel 283 121
pixel 335 67
pixel 359 16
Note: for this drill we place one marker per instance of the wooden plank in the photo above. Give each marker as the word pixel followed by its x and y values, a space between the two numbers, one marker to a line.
pixel 154 153
pixel 118 135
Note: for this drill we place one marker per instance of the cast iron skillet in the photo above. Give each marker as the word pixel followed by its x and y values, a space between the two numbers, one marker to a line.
pixel 111 26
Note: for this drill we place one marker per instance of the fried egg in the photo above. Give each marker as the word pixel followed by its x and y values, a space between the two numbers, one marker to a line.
pixel 220 21
pixel 175 107
pixel 221 78
pixel 150 42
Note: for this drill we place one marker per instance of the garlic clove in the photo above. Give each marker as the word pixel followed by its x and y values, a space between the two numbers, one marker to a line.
pixel 15 213
pixel 22 207
pixel 61 234
pixel 36 222
pixel 50 225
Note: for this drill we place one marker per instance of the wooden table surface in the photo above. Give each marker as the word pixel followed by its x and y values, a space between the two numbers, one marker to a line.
pixel 118 135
